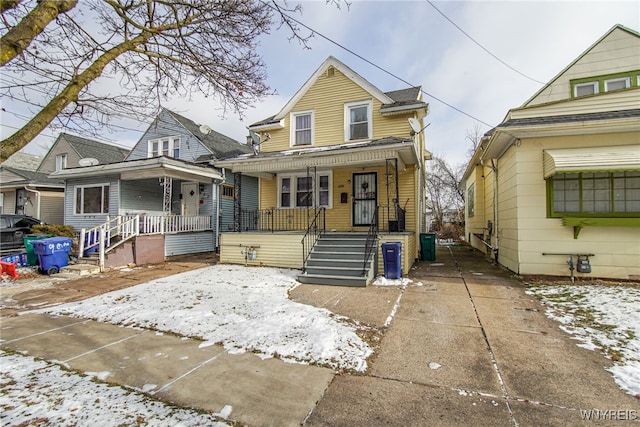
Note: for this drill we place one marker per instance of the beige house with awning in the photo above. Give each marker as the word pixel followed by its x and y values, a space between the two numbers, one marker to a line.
pixel 555 188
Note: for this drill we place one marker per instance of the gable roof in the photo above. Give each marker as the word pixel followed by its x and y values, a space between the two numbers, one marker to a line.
pixel 220 146
pixel 89 148
pixel 582 55
pixel 409 98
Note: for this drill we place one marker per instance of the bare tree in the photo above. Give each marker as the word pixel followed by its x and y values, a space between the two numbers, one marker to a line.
pixel 473 137
pixel 444 192
pixel 108 58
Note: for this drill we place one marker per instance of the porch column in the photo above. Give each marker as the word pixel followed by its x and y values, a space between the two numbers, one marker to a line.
pixel 167 184
pixel 237 202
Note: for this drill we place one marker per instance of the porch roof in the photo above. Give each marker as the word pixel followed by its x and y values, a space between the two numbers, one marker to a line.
pixel 154 167
pixel 341 155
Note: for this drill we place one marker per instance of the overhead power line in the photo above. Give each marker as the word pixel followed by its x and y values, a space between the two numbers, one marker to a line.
pixel 480 46
pixel 378 66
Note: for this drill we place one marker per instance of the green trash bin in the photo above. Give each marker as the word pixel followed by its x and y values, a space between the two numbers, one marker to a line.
pixel 428 246
pixel 32 258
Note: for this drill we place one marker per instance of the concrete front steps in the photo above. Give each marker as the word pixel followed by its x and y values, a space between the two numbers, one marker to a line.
pixel 338 260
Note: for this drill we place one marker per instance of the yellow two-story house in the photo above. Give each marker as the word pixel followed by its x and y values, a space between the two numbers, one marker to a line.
pixel 341 172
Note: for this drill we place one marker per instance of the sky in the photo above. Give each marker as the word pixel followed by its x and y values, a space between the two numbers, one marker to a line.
pixel 392 43
pixel 247 309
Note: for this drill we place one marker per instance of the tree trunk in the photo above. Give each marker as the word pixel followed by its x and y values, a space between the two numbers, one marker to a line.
pixel 18 38
pixel 69 94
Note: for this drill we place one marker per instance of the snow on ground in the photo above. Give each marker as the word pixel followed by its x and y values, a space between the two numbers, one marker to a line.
pixel 39 393
pixel 600 317
pixel 243 308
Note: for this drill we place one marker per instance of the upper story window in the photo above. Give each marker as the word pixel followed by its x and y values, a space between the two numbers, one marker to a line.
pixel 617 84
pixel 358 121
pixel 302 128
pixel 606 83
pixel 61 162
pixel 168 147
pixel 583 89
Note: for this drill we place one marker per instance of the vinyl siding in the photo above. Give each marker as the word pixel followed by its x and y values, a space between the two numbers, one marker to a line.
pixel 189 243
pixel 339 216
pixel 275 249
pixel 617 52
pixel 52 207
pixel 507 227
pixel 143 196
pixel 165 126
pixel 327 98
pixel 9 202
pixel 88 221
pixel 48 164
pixel 617 249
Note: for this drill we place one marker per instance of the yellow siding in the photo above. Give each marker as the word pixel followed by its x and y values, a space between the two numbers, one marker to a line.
pixel 275 249
pixel 338 217
pixel 409 252
pixel 507 227
pixel 326 98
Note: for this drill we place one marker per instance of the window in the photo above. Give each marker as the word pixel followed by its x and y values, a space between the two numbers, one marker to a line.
pixel 583 89
pixel 168 147
pixel 471 210
pixel 92 199
pixel 228 191
pixel 61 162
pixel 594 194
pixel 358 120
pixel 305 193
pixel 617 84
pixel 302 128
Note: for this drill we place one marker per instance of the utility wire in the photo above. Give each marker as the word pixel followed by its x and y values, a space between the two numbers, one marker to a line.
pixel 479 45
pixel 377 66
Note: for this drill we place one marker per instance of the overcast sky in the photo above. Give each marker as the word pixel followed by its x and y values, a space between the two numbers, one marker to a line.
pixel 415 42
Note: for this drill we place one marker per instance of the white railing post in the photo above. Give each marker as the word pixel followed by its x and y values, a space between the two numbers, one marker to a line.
pixel 101 249
pixel 83 233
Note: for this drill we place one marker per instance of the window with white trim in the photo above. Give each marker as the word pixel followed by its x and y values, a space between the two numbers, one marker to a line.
pixel 617 84
pixel 584 89
pixel 61 162
pixel 299 191
pixel 92 199
pixel 302 128
pixel 168 147
pixel 358 120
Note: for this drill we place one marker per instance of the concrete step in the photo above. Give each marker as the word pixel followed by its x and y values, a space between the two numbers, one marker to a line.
pixel 319 261
pixel 81 269
pixel 322 279
pixel 335 271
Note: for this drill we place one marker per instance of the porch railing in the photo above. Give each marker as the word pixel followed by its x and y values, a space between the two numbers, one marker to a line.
pixel 310 238
pixel 372 239
pixel 118 229
pixel 275 220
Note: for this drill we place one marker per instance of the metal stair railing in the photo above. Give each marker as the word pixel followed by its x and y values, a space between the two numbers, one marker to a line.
pixel 372 238
pixel 314 231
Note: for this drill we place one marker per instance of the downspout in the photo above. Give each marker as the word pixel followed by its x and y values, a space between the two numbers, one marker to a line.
pixel 38 195
pixel 494 167
pixel 218 216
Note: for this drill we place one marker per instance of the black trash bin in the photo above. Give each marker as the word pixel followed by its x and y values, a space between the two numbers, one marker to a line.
pixel 428 246
pixel 391 255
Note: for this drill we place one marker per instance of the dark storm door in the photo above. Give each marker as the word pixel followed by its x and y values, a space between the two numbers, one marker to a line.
pixel 365 197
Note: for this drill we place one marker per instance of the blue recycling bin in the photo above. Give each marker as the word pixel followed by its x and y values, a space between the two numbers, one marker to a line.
pixel 391 252
pixel 53 253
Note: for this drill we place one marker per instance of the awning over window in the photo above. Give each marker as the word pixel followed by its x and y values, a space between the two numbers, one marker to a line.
pixel 591 159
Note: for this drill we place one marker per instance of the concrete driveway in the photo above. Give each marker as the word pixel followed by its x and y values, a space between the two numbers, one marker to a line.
pixel 466 346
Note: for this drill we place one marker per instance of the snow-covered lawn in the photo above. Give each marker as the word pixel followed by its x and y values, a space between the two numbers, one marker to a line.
pixel 242 308
pixel 605 318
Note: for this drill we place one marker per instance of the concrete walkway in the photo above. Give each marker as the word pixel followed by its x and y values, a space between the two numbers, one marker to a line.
pixel 466 346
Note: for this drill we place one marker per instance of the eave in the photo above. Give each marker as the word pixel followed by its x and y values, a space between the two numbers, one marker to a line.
pixel 144 168
pixel 341 156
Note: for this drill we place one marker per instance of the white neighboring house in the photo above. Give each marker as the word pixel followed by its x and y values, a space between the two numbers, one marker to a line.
pixel 559 179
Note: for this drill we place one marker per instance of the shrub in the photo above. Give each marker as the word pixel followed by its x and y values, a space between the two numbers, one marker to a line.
pixel 55 229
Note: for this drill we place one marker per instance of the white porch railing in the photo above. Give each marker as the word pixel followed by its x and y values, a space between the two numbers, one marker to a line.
pixel 117 230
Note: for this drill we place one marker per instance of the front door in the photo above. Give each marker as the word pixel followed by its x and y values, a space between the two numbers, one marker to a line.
pixel 190 198
pixel 365 198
